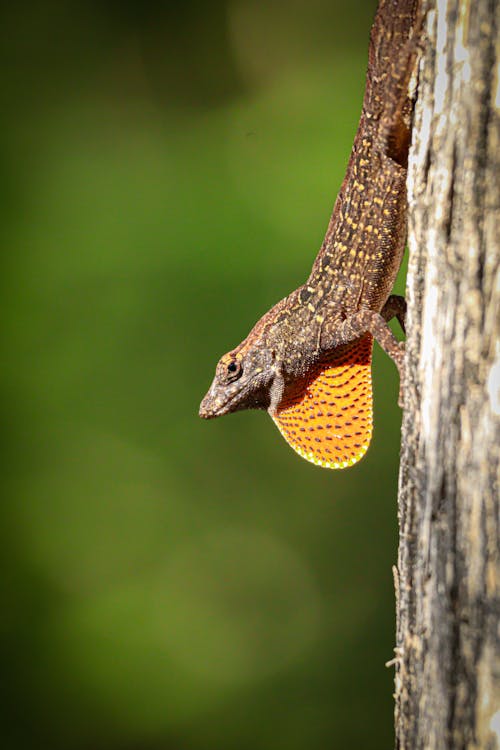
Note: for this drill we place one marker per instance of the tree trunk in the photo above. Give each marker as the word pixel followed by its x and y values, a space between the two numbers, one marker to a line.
pixel 447 655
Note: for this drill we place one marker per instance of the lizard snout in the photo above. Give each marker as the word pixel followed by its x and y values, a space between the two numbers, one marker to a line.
pixel 207 410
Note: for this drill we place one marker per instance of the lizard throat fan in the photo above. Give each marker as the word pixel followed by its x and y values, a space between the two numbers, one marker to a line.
pixel 327 418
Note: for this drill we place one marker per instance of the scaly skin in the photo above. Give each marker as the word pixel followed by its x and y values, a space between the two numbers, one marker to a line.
pixel 308 339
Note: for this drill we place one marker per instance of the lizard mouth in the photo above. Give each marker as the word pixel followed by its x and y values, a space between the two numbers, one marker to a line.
pixel 211 407
pixel 207 411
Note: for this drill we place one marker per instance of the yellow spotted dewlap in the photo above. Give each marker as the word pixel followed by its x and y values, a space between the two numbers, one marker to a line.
pixel 327 419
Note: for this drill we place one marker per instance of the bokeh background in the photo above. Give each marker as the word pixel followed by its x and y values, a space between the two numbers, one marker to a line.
pixel 168 583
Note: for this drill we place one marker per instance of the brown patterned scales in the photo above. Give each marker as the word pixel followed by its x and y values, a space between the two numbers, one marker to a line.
pixel 308 360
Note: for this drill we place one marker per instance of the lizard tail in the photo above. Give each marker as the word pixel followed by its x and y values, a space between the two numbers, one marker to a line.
pixel 394 43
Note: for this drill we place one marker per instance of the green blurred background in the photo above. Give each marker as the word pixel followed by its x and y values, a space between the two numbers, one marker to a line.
pixel 169 583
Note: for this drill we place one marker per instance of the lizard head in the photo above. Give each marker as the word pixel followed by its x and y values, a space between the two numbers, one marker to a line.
pixel 243 380
pixel 324 413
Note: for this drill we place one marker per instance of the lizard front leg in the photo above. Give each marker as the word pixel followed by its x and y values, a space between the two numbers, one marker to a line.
pixel 369 321
pixel 395 307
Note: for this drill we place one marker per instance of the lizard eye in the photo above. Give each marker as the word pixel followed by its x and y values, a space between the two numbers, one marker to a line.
pixel 234 371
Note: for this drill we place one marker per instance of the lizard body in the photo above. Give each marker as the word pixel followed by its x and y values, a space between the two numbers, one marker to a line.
pixel 308 360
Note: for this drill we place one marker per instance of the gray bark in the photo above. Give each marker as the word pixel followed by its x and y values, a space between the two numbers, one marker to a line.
pixel 447 580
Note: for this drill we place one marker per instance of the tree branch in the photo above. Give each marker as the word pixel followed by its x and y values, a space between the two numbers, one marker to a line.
pixel 447 665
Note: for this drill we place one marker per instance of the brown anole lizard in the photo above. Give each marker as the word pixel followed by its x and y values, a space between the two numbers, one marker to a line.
pixel 308 360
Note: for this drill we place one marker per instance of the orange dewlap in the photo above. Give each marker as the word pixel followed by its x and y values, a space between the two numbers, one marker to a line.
pixel 327 419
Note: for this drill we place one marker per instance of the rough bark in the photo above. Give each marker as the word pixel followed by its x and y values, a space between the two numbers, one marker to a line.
pixel 448 654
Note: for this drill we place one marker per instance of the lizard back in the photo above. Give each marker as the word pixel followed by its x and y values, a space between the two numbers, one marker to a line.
pixel 364 243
